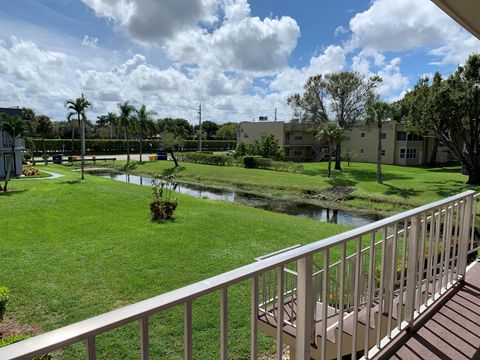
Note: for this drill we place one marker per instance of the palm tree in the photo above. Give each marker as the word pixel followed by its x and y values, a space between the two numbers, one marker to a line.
pixel 330 134
pixel 377 112
pixel 44 129
pixel 72 122
pixel 78 108
pixel 144 117
pixel 125 118
pixel 15 127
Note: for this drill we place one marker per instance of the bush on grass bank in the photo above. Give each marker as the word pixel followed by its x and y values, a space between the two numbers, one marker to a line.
pixel 258 162
pixel 206 158
pixel 4 291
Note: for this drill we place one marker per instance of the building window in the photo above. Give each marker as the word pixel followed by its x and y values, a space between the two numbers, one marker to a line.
pixel 414 137
pixel 362 134
pixel 298 136
pixel 411 153
pixel 384 135
pixel 401 136
pixel 361 151
pixel 245 135
pixel 383 152
pixel 402 153
pixel 287 152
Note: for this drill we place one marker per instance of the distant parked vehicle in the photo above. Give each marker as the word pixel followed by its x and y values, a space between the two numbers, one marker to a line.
pixel 230 152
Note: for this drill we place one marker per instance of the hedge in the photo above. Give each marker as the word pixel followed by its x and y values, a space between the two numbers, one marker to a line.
pixel 117 146
pixel 258 162
pixel 208 159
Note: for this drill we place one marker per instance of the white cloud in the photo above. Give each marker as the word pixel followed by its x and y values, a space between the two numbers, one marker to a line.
pixel 90 41
pixel 392 25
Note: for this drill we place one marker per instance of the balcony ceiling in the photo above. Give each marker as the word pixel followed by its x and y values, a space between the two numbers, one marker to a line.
pixel 465 12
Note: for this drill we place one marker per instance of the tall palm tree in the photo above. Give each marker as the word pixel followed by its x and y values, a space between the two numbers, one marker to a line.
pixel 78 108
pixel 126 111
pixel 377 112
pixel 44 129
pixel 144 117
pixel 15 127
pixel 330 134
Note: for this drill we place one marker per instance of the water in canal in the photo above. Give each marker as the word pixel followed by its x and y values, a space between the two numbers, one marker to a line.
pixel 300 209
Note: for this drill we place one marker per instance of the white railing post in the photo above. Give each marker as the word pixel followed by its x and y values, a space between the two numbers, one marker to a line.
pixel 465 236
pixel 224 323
pixel 187 330
pixel 254 319
pixel 144 347
pixel 388 269
pixel 412 262
pixel 91 348
pixel 304 307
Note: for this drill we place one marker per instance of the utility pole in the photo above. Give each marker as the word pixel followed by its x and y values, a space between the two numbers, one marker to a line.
pixel 200 127
pixel 275 114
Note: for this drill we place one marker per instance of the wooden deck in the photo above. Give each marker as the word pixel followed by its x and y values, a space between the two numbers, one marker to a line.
pixel 452 332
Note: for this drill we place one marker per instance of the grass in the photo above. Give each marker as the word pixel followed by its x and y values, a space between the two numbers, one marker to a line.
pixel 73 249
pixel 403 188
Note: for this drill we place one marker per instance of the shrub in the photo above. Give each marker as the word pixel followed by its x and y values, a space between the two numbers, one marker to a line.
pixel 164 198
pixel 30 171
pixel 258 162
pixel 4 291
pixel 208 159
pixel 117 146
pixel 17 338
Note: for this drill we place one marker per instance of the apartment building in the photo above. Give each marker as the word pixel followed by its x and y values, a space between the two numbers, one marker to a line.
pixel 399 146
pixel 299 143
pixel 297 140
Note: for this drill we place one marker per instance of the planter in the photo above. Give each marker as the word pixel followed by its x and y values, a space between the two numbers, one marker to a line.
pixel 162 210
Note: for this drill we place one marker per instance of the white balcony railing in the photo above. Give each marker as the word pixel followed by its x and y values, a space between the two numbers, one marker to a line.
pixel 386 273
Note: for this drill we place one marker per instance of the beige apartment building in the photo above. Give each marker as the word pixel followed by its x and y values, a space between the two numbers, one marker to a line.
pixel 299 143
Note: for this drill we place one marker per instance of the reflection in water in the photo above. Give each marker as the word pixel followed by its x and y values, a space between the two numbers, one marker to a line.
pixel 300 210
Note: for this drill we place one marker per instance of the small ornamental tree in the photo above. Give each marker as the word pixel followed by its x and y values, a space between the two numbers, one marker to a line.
pixel 330 134
pixel 164 198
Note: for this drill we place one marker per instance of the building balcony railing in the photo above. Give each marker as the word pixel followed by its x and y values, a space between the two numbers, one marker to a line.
pixel 7 142
pixel 350 294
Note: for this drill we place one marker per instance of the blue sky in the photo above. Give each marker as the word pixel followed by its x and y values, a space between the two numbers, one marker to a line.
pixel 240 58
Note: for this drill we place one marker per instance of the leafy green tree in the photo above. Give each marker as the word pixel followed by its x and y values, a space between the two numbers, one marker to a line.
pixel 78 107
pixel 269 147
pixel 209 128
pixel 346 93
pixel 125 120
pixel 44 129
pixel 109 120
pixel 15 127
pixel 227 131
pixel 449 109
pixel 168 142
pixel 241 149
pixel 330 134
pixel 349 154
pixel 179 127
pixel 377 112
pixel 144 117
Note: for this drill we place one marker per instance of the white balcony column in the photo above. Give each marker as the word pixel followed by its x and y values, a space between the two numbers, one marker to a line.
pixel 412 266
pixel 465 235
pixel 304 307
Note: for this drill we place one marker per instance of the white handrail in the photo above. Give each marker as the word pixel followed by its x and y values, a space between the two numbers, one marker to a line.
pixel 88 329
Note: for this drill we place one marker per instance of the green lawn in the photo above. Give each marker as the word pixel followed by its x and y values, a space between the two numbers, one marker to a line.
pixel 403 188
pixel 71 250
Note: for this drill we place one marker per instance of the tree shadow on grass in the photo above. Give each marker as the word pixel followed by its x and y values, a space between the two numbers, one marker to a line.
pixel 71 182
pixel 404 193
pixel 366 176
pixel 12 192
pixel 341 181
pixel 451 187
pixel 449 170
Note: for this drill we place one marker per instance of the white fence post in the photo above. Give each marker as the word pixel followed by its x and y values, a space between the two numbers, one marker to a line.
pixel 412 262
pixel 304 307
pixel 465 236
